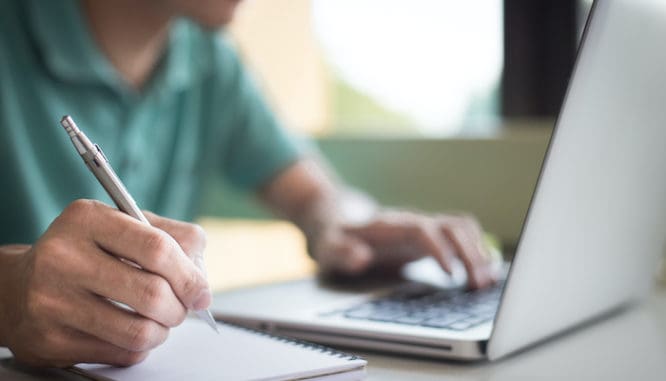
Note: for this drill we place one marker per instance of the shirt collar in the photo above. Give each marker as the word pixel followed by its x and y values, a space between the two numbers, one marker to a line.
pixel 70 53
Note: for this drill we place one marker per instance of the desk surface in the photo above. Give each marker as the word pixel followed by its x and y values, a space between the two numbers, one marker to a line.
pixel 629 345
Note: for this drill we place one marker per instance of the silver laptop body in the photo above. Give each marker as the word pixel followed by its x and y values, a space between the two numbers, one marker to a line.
pixel 595 229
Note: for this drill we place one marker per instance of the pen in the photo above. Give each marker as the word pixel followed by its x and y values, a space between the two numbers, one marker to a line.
pixel 99 165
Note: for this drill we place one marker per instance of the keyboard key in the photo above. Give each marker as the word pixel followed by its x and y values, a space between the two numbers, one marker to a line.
pixel 386 315
pixel 444 322
pixel 476 320
pixel 359 313
pixel 426 314
pixel 409 320
pixel 459 325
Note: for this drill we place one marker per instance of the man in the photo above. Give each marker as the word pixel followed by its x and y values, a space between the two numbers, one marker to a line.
pixel 170 103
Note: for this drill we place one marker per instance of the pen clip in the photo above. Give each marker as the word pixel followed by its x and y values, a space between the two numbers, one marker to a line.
pixel 101 152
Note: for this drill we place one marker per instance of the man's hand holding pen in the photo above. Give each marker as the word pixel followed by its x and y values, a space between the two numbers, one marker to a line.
pixel 69 276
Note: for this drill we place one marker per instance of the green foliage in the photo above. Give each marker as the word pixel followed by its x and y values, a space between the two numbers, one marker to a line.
pixel 357 113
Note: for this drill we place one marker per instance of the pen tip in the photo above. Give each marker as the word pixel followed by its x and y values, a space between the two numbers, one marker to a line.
pixel 207 317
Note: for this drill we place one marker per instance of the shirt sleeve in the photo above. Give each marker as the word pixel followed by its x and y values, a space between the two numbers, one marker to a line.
pixel 257 147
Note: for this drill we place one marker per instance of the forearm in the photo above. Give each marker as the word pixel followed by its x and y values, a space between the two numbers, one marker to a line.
pixel 346 233
pixel 311 197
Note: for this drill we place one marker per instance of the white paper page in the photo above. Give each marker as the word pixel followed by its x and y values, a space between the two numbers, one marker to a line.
pixel 194 351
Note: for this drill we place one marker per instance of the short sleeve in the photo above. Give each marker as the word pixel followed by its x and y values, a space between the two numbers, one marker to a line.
pixel 257 147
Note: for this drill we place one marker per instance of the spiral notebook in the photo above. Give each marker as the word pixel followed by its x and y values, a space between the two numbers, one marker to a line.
pixel 194 352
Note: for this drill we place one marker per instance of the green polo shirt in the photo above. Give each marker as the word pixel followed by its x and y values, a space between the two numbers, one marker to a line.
pixel 199 115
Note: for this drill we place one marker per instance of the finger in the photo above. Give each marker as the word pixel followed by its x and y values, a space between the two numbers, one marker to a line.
pixel 431 241
pixel 149 247
pixel 72 347
pixel 190 237
pixel 409 236
pixel 97 317
pixel 148 294
pixel 469 251
pixel 470 222
pixel 472 228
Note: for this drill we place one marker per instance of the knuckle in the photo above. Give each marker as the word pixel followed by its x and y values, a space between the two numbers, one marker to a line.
pixel 192 284
pixel 79 209
pixel 153 292
pixel 157 245
pixel 197 233
pixel 141 335
pixel 192 238
pixel 53 245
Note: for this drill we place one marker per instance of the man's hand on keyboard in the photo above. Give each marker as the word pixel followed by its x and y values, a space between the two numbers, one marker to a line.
pixel 392 238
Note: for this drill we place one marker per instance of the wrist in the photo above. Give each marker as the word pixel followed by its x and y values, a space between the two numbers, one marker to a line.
pixel 326 215
pixel 10 259
pixel 356 207
pixel 315 223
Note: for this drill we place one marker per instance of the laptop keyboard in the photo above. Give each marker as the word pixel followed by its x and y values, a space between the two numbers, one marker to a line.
pixel 419 305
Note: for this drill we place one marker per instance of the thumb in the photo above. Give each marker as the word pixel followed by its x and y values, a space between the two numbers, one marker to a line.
pixel 349 255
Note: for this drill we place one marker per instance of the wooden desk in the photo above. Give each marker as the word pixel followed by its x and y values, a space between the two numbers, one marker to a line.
pixel 630 345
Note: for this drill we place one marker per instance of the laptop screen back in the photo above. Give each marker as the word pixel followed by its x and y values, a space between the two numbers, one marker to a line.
pixel 597 223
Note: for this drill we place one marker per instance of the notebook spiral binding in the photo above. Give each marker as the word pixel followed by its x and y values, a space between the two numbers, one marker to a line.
pixel 299 343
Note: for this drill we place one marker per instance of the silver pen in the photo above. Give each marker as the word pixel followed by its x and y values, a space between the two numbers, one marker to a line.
pixel 99 165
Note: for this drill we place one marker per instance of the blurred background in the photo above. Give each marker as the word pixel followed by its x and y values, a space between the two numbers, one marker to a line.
pixel 434 105
pixel 426 68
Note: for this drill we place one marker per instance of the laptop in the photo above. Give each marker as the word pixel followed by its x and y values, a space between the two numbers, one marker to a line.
pixel 594 232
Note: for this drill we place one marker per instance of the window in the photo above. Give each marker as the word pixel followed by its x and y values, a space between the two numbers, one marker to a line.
pixel 381 67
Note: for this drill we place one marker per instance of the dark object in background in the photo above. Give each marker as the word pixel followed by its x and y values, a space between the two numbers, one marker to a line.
pixel 540 42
